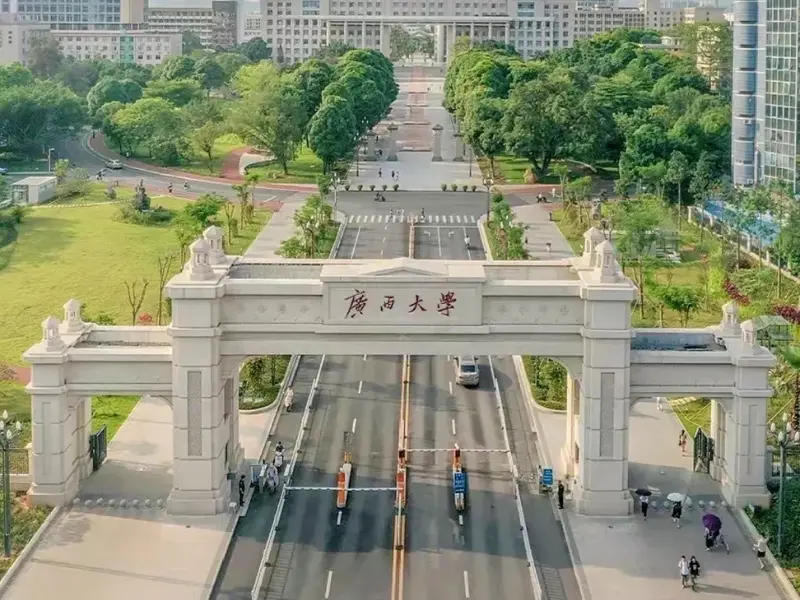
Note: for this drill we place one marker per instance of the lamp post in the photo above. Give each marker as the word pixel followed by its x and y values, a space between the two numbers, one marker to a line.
pixel 335 182
pixel 786 437
pixel 488 182
pixel 469 154
pixel 8 431
pixel 49 161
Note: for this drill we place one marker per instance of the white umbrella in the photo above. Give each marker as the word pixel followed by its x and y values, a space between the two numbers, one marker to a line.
pixel 675 497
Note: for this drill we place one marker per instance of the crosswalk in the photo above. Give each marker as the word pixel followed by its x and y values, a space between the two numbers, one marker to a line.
pixel 412 218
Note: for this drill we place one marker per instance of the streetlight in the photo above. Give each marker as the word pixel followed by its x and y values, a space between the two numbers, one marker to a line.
pixel 49 154
pixel 488 182
pixel 8 431
pixel 469 151
pixel 335 182
pixel 786 436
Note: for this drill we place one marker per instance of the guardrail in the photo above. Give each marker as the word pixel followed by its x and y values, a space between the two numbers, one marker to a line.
pixel 265 563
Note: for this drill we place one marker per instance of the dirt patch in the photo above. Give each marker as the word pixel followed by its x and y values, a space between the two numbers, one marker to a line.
pixel 14 373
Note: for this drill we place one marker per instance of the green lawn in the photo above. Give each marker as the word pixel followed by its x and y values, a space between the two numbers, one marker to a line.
pixel 511 170
pixel 198 161
pixel 82 253
pixel 303 169
pixel 263 393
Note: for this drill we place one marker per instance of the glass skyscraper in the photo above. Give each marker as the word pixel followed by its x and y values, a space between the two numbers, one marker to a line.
pixel 765 93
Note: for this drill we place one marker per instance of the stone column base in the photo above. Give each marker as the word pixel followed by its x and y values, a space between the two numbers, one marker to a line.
pixel 458 159
pixel 391 159
pixel 601 504
pixel 199 503
pixel 54 495
pixel 436 159
pixel 741 496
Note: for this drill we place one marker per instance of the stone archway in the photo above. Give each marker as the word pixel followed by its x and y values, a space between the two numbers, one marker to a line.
pixel 576 310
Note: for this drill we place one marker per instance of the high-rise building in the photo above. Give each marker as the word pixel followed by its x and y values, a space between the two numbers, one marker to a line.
pixel 216 22
pixel 765 91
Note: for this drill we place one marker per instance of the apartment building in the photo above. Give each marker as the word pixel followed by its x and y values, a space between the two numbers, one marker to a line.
pixel 764 136
pixel 66 14
pixel 219 23
pixel 252 26
pixel 144 48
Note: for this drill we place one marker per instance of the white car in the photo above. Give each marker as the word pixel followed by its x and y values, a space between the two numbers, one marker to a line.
pixel 114 164
pixel 467 372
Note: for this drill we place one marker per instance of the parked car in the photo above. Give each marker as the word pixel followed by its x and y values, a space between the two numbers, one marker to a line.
pixel 3 170
pixel 114 164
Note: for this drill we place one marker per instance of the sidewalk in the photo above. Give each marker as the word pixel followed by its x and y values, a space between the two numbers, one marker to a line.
pixel 625 553
pixel 540 231
pixel 280 227
pixel 98 147
pixel 128 553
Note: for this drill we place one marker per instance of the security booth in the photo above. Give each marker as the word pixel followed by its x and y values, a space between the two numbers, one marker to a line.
pixel 33 190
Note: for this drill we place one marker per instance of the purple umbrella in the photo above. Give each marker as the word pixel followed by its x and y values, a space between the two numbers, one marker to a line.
pixel 712 522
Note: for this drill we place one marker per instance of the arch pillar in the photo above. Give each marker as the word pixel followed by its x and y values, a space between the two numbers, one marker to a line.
pixel 200 430
pixel 55 473
pixel 601 481
pixel 83 431
pixel 235 452
pixel 569 453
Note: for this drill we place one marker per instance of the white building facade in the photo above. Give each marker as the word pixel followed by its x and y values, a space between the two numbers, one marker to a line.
pixel 299 27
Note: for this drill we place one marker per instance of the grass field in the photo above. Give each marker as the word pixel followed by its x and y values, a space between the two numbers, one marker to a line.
pixel 82 253
pixel 197 162
pixel 24 164
pixel 303 169
pixel 511 170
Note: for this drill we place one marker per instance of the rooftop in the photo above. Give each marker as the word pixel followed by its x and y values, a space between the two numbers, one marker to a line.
pixel 664 340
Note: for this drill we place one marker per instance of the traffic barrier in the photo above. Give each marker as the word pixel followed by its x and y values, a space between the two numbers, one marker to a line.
pixel 401 487
pixel 341 487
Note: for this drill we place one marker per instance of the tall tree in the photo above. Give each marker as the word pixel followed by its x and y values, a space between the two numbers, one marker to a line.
pixel 179 92
pixel 191 41
pixel 332 131
pixel 542 120
pixel 176 67
pixel 272 118
pixel 109 89
pixel 209 73
pixel 44 56
pixel 483 126
pixel 677 172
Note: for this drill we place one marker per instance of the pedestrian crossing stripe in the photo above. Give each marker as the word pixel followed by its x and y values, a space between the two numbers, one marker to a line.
pixel 411 218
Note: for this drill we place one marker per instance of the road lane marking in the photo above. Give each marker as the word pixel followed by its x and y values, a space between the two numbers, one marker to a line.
pixel 466 585
pixel 439 238
pixel 365 357
pixel 353 428
pixel 472 218
pixel 372 220
pixel 453 423
pixel 360 383
pixel 383 241
pixel 358 233
pixel 458 220
pixel 330 576
pixel 381 252
pixel 460 519
pixel 469 254
pixel 352 218
pixel 450 383
pixel 339 518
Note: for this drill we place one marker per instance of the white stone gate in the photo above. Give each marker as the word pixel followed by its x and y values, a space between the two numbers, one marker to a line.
pixel 226 309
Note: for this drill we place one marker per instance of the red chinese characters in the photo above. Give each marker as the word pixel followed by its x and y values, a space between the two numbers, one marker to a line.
pixel 447 303
pixel 388 303
pixel 416 305
pixel 358 302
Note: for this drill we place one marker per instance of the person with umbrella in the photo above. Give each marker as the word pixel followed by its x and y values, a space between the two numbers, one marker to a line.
pixel 677 507
pixel 644 500
pixel 713 532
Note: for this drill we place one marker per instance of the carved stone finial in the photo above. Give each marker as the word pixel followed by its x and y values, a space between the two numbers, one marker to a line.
pixel 214 236
pixel 200 262
pixel 605 261
pixel 437 129
pixel 50 336
pixel 749 336
pixel 591 239
pixel 730 327
pixel 392 127
pixel 72 316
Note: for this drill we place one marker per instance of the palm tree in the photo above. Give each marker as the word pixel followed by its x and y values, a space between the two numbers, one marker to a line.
pixel 786 379
pixel 243 193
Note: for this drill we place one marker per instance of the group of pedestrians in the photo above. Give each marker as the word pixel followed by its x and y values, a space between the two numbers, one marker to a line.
pixel 690 571
pixel 395 175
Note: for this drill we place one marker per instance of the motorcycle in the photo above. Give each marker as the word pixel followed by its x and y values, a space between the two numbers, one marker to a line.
pixel 288 400
pixel 278 462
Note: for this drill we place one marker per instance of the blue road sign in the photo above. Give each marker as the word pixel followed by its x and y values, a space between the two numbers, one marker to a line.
pixel 459 483
pixel 547 476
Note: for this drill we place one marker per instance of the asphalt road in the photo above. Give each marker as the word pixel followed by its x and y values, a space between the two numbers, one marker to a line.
pixel 76 152
pixel 320 553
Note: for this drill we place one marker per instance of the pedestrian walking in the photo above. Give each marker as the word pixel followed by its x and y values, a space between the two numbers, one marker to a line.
pixel 241 490
pixel 380 173
pixel 397 176
pixel 683 567
pixel 644 504
pixel 682 439
pixel 677 512
pixel 660 404
pixel 694 571
pixel 560 493
pixel 392 175
pixel 549 247
pixel 760 548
